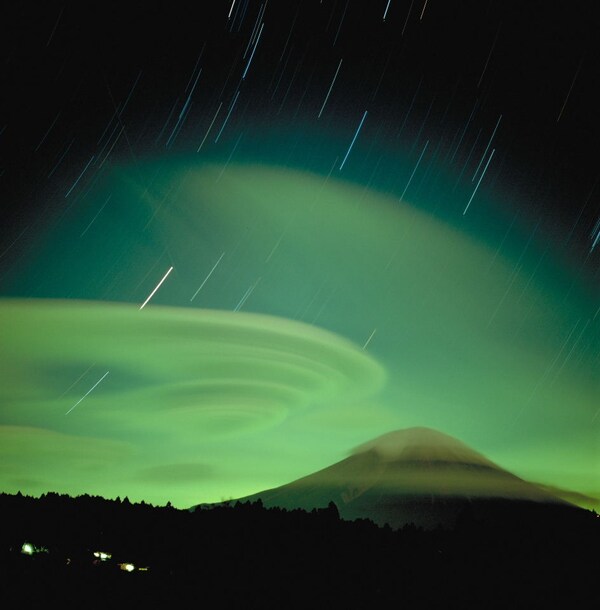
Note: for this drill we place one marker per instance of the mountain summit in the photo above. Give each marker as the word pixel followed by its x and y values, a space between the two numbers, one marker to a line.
pixel 422 444
pixel 415 475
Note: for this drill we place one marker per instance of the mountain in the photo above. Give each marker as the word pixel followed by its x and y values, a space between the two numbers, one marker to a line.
pixel 415 475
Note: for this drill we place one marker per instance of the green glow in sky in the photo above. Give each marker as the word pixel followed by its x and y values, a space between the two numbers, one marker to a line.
pixel 373 315
pixel 176 377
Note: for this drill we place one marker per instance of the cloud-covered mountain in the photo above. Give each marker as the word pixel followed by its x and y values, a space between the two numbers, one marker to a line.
pixel 416 475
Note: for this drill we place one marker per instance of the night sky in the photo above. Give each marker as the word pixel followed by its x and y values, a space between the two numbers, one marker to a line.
pixel 238 239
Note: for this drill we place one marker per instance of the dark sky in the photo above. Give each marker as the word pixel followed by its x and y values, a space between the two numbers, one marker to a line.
pixel 67 66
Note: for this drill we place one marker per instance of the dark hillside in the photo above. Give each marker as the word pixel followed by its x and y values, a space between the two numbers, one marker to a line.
pixel 249 556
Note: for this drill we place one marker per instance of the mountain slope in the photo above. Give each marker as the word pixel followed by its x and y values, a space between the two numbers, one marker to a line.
pixel 416 475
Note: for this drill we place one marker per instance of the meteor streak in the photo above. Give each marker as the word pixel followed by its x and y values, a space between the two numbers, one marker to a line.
pixel 157 287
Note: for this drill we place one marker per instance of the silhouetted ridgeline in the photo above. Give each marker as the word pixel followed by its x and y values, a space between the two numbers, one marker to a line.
pixel 249 556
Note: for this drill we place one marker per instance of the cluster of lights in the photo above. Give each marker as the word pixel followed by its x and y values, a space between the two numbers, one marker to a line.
pixel 30 549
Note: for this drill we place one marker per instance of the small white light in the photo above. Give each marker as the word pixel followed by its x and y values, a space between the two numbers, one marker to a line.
pixel 102 555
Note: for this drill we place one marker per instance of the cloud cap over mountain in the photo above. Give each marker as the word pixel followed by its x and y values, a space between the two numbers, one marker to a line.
pixel 414 475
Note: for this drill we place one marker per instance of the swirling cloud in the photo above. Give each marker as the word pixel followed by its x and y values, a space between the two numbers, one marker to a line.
pixel 168 371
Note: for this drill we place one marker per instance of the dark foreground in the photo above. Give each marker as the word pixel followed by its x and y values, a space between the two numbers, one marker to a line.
pixel 246 556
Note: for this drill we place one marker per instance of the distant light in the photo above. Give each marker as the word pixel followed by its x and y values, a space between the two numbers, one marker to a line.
pixel 128 567
pixel 102 556
pixel 27 549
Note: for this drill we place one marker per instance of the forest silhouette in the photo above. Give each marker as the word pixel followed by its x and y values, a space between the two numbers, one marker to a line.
pixel 245 555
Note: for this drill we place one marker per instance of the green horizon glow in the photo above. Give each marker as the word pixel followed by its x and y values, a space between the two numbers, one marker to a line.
pixel 204 402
